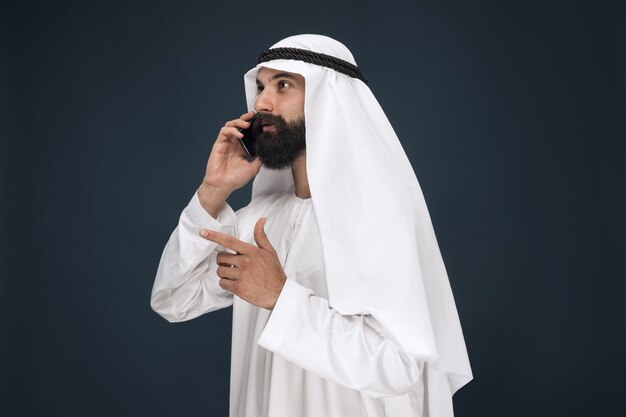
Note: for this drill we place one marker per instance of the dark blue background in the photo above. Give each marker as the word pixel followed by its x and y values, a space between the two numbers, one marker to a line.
pixel 512 113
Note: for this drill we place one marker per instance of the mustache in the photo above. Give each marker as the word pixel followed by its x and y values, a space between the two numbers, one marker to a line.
pixel 263 119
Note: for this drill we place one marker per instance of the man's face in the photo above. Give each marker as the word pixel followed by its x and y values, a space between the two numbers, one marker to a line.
pixel 280 125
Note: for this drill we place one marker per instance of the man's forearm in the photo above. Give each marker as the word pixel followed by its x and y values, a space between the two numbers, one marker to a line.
pixel 345 349
pixel 186 283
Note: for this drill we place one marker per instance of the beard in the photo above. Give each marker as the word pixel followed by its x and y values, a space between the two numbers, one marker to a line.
pixel 278 149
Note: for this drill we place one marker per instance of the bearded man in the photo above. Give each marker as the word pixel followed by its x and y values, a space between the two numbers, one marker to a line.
pixel 341 302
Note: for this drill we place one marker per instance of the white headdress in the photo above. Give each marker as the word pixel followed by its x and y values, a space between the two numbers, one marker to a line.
pixel 380 251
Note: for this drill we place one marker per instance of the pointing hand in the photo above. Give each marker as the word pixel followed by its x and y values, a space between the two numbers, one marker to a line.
pixel 254 273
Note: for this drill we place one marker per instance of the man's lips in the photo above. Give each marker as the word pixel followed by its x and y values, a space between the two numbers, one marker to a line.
pixel 269 128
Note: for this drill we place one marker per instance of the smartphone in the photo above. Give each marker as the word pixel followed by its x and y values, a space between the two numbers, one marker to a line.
pixel 249 140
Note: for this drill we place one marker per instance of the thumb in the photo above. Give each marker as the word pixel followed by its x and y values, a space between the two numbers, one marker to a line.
pixel 260 237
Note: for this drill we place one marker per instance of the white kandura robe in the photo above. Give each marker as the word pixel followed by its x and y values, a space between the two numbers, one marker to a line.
pixel 303 359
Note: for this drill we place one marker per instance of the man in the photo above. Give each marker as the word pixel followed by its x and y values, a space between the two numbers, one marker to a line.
pixel 341 302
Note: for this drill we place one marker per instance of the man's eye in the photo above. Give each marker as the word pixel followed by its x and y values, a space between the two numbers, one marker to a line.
pixel 283 84
pixel 259 89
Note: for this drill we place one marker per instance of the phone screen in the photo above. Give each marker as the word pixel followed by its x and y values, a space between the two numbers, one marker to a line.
pixel 249 139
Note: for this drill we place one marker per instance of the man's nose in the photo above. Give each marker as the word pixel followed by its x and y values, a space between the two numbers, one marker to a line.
pixel 263 102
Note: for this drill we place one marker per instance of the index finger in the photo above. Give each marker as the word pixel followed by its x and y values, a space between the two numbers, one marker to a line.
pixel 227 241
pixel 248 116
pixel 243 122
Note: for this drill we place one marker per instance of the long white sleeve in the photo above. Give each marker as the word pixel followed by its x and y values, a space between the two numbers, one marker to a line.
pixel 186 284
pixel 350 350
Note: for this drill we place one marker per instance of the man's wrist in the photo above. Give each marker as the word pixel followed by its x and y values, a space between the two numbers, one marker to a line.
pixel 212 198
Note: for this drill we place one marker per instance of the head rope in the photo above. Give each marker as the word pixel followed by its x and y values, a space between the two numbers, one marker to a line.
pixel 311 57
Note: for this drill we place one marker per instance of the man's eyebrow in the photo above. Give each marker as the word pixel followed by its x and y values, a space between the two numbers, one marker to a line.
pixel 279 75
pixel 283 75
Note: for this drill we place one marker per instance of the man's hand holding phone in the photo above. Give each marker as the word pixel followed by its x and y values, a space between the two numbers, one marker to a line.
pixel 228 167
